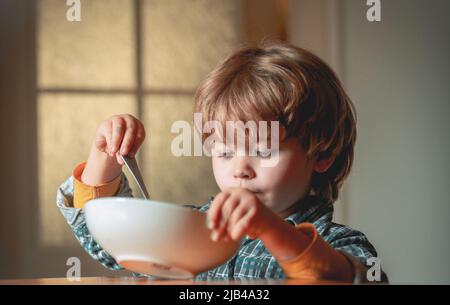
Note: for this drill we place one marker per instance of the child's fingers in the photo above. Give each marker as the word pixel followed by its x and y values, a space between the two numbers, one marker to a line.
pixel 227 209
pixel 139 138
pixel 214 212
pixel 128 137
pixel 117 133
pixel 119 158
pixel 235 217
pixel 243 226
pixel 230 203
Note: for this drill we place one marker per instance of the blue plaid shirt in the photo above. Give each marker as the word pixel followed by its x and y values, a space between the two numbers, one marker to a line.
pixel 252 260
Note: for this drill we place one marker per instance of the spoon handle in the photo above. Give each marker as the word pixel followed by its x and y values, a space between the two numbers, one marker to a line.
pixel 136 173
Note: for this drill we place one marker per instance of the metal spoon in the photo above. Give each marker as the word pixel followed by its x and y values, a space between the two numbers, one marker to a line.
pixel 136 173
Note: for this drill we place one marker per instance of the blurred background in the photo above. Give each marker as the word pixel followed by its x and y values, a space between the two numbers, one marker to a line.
pixel 60 79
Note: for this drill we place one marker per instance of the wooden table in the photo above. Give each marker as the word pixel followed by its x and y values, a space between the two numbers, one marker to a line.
pixel 144 281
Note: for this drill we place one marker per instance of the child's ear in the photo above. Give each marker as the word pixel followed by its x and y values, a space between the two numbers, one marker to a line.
pixel 323 165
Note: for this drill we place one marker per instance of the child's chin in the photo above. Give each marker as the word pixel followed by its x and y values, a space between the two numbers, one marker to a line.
pixel 271 205
pixel 262 198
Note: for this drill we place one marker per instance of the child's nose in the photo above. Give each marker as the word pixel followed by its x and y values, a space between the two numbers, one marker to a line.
pixel 243 170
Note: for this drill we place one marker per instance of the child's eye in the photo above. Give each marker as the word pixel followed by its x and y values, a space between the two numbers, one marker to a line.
pixel 263 153
pixel 226 154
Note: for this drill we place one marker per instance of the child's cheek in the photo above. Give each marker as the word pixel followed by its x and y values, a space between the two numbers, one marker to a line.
pixel 270 184
pixel 222 174
pixel 271 178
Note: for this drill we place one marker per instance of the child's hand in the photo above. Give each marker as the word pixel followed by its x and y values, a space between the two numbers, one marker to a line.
pixel 120 134
pixel 237 212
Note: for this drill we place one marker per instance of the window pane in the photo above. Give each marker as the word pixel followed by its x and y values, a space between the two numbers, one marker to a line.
pixel 184 40
pixel 96 52
pixel 66 129
pixel 183 180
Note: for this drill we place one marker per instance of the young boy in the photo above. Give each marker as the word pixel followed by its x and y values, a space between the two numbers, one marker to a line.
pixel 282 213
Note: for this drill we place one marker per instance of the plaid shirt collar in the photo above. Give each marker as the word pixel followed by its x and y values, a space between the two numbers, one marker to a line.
pixel 310 209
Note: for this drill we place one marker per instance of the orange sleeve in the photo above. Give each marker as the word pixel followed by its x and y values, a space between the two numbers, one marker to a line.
pixel 318 261
pixel 83 192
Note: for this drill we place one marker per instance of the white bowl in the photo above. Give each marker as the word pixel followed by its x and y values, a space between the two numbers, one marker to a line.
pixel 155 238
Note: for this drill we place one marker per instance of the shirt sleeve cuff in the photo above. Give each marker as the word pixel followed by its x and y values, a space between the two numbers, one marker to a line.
pixel 318 261
pixel 84 192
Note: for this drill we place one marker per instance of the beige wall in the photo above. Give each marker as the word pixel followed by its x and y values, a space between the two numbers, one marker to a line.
pixel 397 73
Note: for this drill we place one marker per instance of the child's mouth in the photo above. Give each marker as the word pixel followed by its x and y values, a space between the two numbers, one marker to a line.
pixel 256 192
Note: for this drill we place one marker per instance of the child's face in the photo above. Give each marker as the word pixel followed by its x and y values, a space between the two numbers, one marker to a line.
pixel 278 187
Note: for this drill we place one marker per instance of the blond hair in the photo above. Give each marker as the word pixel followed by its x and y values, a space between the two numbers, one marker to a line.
pixel 278 81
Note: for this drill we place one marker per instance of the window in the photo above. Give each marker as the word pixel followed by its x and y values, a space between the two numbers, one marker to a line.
pixel 143 57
